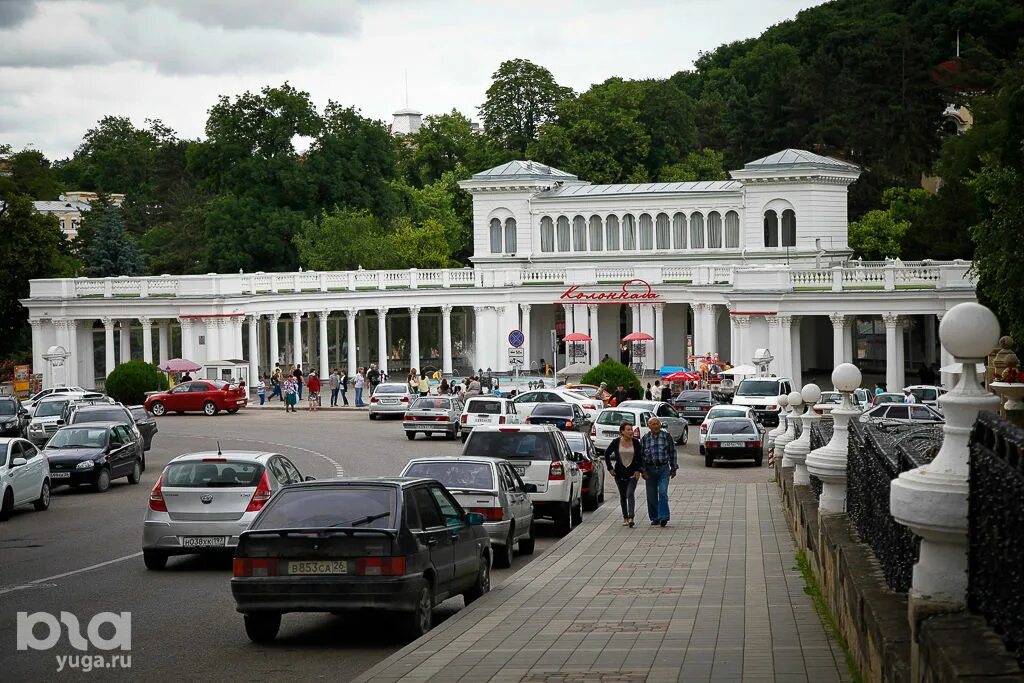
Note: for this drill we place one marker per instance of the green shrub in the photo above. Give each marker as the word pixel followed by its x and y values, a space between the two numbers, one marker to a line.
pixel 130 381
pixel 612 372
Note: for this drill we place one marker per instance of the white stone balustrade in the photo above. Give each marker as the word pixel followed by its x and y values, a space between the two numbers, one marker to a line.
pixel 828 463
pixel 796 408
pixel 797 449
pixel 784 412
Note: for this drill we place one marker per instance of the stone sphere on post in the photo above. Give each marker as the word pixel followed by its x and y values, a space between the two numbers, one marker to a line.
pixel 810 394
pixel 797 449
pixel 796 404
pixel 828 463
pixel 795 399
pixel 846 379
pixel 969 331
pixel 783 419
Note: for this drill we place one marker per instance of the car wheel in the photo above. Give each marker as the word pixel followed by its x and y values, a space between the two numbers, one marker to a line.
pixel 7 506
pixel 103 480
pixel 210 408
pixel 136 474
pixel 43 501
pixel 483 582
pixel 422 616
pixel 563 522
pixel 372 416
pixel 464 437
pixel 701 450
pixel 503 554
pixel 577 511
pixel 686 434
pixel 410 435
pixel 262 628
pixel 158 409
pixel 759 459
pixel 527 545
pixel 709 460
pixel 591 502
pixel 232 411
pixel 154 559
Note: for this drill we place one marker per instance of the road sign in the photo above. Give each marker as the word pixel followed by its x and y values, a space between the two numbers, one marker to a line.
pixel 516 357
pixel 516 338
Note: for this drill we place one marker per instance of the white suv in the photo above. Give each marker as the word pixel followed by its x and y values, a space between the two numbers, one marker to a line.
pixel 487 410
pixel 545 462
pixel 762 394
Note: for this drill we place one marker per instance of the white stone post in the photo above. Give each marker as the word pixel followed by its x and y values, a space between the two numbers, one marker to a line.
pixel 741 354
pixel 275 348
pixel 414 338
pixel 712 325
pixel 323 347
pixel 297 338
pixel 785 353
pixel 382 339
pixel 891 353
pixel 595 333
pixel 124 336
pixel 254 351
pixel 796 354
pixel 659 335
pixel 524 327
pixel 147 339
pixel 784 412
pixel 932 499
pixel 163 340
pixel 350 321
pixel 188 349
pixel 37 345
pixel 828 463
pixel 838 339
pixel 108 347
pixel 796 408
pixel 797 450
pixel 446 338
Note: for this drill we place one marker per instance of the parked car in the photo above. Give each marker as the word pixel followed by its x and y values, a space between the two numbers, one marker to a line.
pixel 694 404
pixel 393 545
pixel 146 425
pixel 526 402
pixel 487 410
pixel 903 412
pixel 542 458
pixel 591 464
pixel 78 413
pixel 886 397
pixel 588 390
pixel 24 477
pixel 209 396
pixel 719 412
pixel 565 416
pixel 829 400
pixel 734 438
pixel 927 394
pixel 674 423
pixel 47 417
pixel 390 398
pixel 35 398
pixel 606 426
pixel 433 414
pixel 94 454
pixel 762 394
pixel 491 488
pixel 13 417
pixel 202 502
pixel 862 397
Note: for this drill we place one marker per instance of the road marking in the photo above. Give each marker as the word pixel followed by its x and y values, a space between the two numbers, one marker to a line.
pixel 36 582
pixel 338 469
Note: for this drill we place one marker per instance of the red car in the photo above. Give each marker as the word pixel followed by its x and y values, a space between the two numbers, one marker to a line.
pixel 208 395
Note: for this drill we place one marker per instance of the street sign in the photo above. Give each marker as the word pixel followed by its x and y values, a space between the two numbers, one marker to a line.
pixel 516 357
pixel 516 338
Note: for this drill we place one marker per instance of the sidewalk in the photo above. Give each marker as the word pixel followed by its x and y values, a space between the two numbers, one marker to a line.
pixel 715 596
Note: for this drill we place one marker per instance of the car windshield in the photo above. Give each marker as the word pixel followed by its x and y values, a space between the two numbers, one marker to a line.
pixel 923 394
pixel 577 442
pixel 643 405
pixel 553 409
pixel 212 473
pixel 694 396
pixel 483 407
pixel 100 415
pixel 50 408
pixel 390 389
pixel 830 397
pixel 8 408
pixel 455 475
pixel 79 437
pixel 588 392
pixel 758 387
pixel 717 412
pixel 369 507
pixel 139 413
pixel 732 427
pixel 888 398
pixel 511 444
pixel 431 404
pixel 616 417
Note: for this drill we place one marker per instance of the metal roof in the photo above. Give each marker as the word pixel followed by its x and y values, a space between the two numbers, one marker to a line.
pixel 644 188
pixel 797 157
pixel 521 170
pixel 60 206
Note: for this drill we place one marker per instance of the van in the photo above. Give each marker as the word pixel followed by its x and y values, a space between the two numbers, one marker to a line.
pixel 762 394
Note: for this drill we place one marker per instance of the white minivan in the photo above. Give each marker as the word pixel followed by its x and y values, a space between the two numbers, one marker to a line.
pixel 762 394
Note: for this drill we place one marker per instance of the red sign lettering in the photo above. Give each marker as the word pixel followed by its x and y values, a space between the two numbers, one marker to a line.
pixel 633 291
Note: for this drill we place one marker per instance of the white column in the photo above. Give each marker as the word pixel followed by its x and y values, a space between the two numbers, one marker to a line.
pixel 446 338
pixel 163 340
pixel 350 322
pixel 524 327
pixel 785 353
pixel 310 342
pixel 838 339
pixel 901 358
pixel 659 335
pixel 929 339
pixel 337 343
pixel 635 312
pixel 188 348
pixel 892 375
pixel 712 325
pixel 37 345
pixel 322 346
pixel 828 463
pixel 795 353
pixel 595 334
pixel 686 331
pixel 849 334
pixel 740 325
pixel 147 339
pixel 932 500
pixel 297 338
pixel 382 339
pixel 254 350
pixel 414 338
pixel 125 338
pixel 275 350
pixel 570 325
pixel 236 336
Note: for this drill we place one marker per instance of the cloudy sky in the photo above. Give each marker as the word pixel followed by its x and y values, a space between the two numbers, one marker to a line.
pixel 66 63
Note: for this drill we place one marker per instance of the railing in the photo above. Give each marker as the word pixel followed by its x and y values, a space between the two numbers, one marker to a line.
pixel 545 276
pixel 821 434
pixel 677 273
pixel 814 278
pixel 995 587
pixel 879 453
pixel 614 274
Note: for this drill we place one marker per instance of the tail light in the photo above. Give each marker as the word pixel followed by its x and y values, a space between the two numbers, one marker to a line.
pixel 404 399
pixel 441 418
pixel 373 399
pixel 527 420
pixel 156 496
pixel 501 419
pixel 464 419
pixel 705 407
pixel 589 406
pixel 587 465
pixel 704 428
pixel 261 495
pixel 380 566
pixel 569 424
pixel 753 444
pixel 593 431
pixel 712 444
pixel 556 473
pixel 411 418
pixel 490 514
pixel 249 566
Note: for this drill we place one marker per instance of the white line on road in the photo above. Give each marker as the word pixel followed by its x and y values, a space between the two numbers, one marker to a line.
pixel 338 469
pixel 30 584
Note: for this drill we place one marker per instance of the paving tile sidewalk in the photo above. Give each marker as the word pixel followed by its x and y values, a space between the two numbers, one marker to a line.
pixel 715 596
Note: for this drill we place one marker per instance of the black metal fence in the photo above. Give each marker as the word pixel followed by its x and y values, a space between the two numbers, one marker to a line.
pixel 996 521
pixel 821 434
pixel 878 453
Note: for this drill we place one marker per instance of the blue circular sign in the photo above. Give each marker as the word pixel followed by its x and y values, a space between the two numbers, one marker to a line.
pixel 516 338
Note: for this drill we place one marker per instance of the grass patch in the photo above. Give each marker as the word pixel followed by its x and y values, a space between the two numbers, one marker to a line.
pixel 611 282
pixel 128 296
pixel 431 286
pixel 366 289
pixel 543 284
pixel 813 590
pixel 813 289
pixel 396 287
pixel 472 284
pixel 678 282
pixel 915 286
pixel 337 289
pixel 863 288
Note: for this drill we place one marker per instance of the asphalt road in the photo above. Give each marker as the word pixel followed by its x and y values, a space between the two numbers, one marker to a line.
pixel 83 556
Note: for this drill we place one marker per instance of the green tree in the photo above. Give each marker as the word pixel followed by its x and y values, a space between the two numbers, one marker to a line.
pixel 521 97
pixel 28 172
pixel 877 235
pixel 106 248
pixel 129 382
pixel 705 164
pixel 115 157
pixel 422 246
pixel 612 372
pixel 345 239
pixel 242 233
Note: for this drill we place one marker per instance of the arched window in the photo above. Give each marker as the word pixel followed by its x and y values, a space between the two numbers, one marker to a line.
pixel 662 232
pixel 628 233
pixel 789 228
pixel 732 230
pixel 579 233
pixel 646 231
pixel 679 231
pixel 510 235
pixel 696 230
pixel 563 233
pixel 547 234
pixel 714 230
pixel 771 229
pixel 596 234
pixel 611 233
pixel 495 236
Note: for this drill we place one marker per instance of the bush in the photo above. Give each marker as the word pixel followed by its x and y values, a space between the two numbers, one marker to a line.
pixel 612 372
pixel 130 381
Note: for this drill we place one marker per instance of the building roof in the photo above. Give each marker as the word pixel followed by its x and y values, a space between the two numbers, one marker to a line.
pixel 522 170
pixel 60 205
pixel 644 188
pixel 797 158
pixel 407 111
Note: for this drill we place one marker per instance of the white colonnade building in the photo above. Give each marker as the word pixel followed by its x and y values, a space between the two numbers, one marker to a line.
pixel 760 260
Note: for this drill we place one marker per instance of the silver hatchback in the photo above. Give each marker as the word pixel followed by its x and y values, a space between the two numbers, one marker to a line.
pixel 203 501
pixel 431 415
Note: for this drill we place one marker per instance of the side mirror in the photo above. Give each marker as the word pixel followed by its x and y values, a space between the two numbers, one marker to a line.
pixel 310 479
pixel 530 488
pixel 60 422
pixel 18 462
pixel 475 519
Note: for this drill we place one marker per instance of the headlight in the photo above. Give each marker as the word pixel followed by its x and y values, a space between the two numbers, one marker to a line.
pixel 35 428
pixel 85 465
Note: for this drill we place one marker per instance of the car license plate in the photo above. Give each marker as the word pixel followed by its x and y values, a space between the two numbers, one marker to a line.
pixel 520 470
pixel 609 433
pixel 692 410
pixel 203 541
pixel 731 444
pixel 483 418
pixel 60 475
pixel 388 401
pixel 317 567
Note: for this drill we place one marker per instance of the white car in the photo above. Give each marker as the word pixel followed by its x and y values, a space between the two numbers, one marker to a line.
pixel 829 401
pixel 24 476
pixel 40 395
pixel 913 413
pixel 720 411
pixel 927 395
pixel 674 423
pixel 526 402
pixel 48 416
pixel 606 426
pixel 487 410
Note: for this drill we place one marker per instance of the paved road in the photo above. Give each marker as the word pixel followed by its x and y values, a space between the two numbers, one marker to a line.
pixel 83 556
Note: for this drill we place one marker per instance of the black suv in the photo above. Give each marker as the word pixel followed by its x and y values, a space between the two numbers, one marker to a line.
pixel 13 417
pixel 102 411
pixel 401 545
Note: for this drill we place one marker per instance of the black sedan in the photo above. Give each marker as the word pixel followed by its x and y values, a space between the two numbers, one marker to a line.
pixel 146 424
pixel 13 417
pixel 694 404
pixel 565 416
pixel 94 453
pixel 400 545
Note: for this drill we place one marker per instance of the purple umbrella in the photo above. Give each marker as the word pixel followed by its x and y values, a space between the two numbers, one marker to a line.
pixel 179 365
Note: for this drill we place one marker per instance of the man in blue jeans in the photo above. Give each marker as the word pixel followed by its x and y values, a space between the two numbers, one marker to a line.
pixel 660 465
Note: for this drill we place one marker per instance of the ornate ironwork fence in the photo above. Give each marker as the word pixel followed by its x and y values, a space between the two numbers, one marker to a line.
pixel 821 434
pixel 996 521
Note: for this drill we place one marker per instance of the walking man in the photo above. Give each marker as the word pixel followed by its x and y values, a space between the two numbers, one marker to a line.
pixel 660 465
pixel 297 374
pixel 334 381
pixel 373 377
